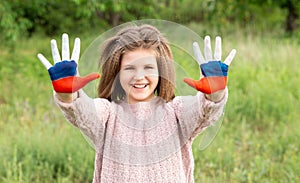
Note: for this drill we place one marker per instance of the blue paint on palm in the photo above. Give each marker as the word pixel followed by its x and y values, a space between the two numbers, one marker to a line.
pixel 63 69
pixel 214 68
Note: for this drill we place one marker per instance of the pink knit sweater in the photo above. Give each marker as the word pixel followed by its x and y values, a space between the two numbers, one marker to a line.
pixel 143 142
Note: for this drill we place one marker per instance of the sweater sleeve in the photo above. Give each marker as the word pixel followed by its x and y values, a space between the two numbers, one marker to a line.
pixel 195 113
pixel 87 114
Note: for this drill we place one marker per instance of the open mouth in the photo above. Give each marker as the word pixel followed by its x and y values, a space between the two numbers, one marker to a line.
pixel 140 86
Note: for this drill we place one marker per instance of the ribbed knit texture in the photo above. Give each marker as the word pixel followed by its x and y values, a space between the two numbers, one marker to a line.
pixel 143 142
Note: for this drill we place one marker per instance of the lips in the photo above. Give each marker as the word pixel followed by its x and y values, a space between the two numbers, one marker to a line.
pixel 139 86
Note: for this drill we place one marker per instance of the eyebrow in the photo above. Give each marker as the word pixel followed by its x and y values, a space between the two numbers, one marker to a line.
pixel 154 65
pixel 133 65
pixel 127 65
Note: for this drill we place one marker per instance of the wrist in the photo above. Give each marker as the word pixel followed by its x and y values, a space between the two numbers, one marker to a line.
pixel 216 96
pixel 66 97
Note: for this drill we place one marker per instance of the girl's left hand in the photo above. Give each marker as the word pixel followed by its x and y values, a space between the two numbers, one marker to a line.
pixel 214 71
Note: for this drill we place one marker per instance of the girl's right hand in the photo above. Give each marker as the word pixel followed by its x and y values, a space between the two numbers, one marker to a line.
pixel 64 74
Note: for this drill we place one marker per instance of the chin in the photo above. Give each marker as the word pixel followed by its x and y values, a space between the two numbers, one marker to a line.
pixel 140 98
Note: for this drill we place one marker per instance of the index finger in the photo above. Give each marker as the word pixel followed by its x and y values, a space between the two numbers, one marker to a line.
pixel 55 52
pixel 198 54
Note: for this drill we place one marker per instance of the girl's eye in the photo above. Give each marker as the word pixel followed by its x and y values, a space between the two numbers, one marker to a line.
pixel 149 67
pixel 128 68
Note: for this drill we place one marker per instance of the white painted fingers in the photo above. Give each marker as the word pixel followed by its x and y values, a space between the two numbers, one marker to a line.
pixel 218 49
pixel 197 53
pixel 207 49
pixel 230 57
pixel 44 61
pixel 65 54
pixel 76 50
pixel 208 52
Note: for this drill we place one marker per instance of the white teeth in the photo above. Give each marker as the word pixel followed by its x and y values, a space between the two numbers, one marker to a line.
pixel 139 86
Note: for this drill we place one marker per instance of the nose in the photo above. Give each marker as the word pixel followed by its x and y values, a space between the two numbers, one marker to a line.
pixel 140 74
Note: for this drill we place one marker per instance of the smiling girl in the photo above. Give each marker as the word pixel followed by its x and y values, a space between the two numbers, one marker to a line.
pixel 140 131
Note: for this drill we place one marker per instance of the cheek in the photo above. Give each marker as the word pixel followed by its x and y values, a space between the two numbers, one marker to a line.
pixel 125 79
pixel 154 79
pixel 154 76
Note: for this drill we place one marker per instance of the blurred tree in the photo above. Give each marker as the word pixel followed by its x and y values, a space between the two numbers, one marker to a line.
pixel 22 18
pixel 12 24
pixel 292 18
pixel 115 12
pixel 25 17
pixel 267 12
pixel 263 16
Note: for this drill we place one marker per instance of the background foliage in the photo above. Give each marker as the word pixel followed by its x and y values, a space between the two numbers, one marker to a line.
pixel 22 18
pixel 259 138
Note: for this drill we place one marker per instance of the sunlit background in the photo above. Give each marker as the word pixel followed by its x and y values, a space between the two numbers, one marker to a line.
pixel 259 137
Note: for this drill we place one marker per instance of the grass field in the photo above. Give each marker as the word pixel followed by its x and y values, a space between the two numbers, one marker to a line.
pixel 257 142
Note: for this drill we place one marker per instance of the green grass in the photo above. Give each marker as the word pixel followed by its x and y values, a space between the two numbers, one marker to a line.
pixel 257 142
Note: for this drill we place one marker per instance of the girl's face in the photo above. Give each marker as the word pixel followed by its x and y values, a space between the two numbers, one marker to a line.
pixel 139 75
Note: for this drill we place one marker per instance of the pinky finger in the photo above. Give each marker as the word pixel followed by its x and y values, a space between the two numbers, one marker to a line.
pixel 230 57
pixel 44 61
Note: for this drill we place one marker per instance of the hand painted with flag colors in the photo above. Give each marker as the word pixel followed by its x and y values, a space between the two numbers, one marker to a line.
pixel 214 71
pixel 64 74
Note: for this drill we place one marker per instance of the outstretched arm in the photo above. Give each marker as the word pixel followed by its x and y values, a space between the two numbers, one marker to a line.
pixel 64 74
pixel 89 115
pixel 213 80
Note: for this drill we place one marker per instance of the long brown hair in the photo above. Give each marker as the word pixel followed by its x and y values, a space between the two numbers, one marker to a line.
pixel 129 39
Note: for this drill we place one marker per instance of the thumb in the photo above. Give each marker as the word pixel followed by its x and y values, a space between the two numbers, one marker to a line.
pixel 73 83
pixel 201 85
pixel 190 82
pixel 90 77
pixel 80 82
pixel 208 85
